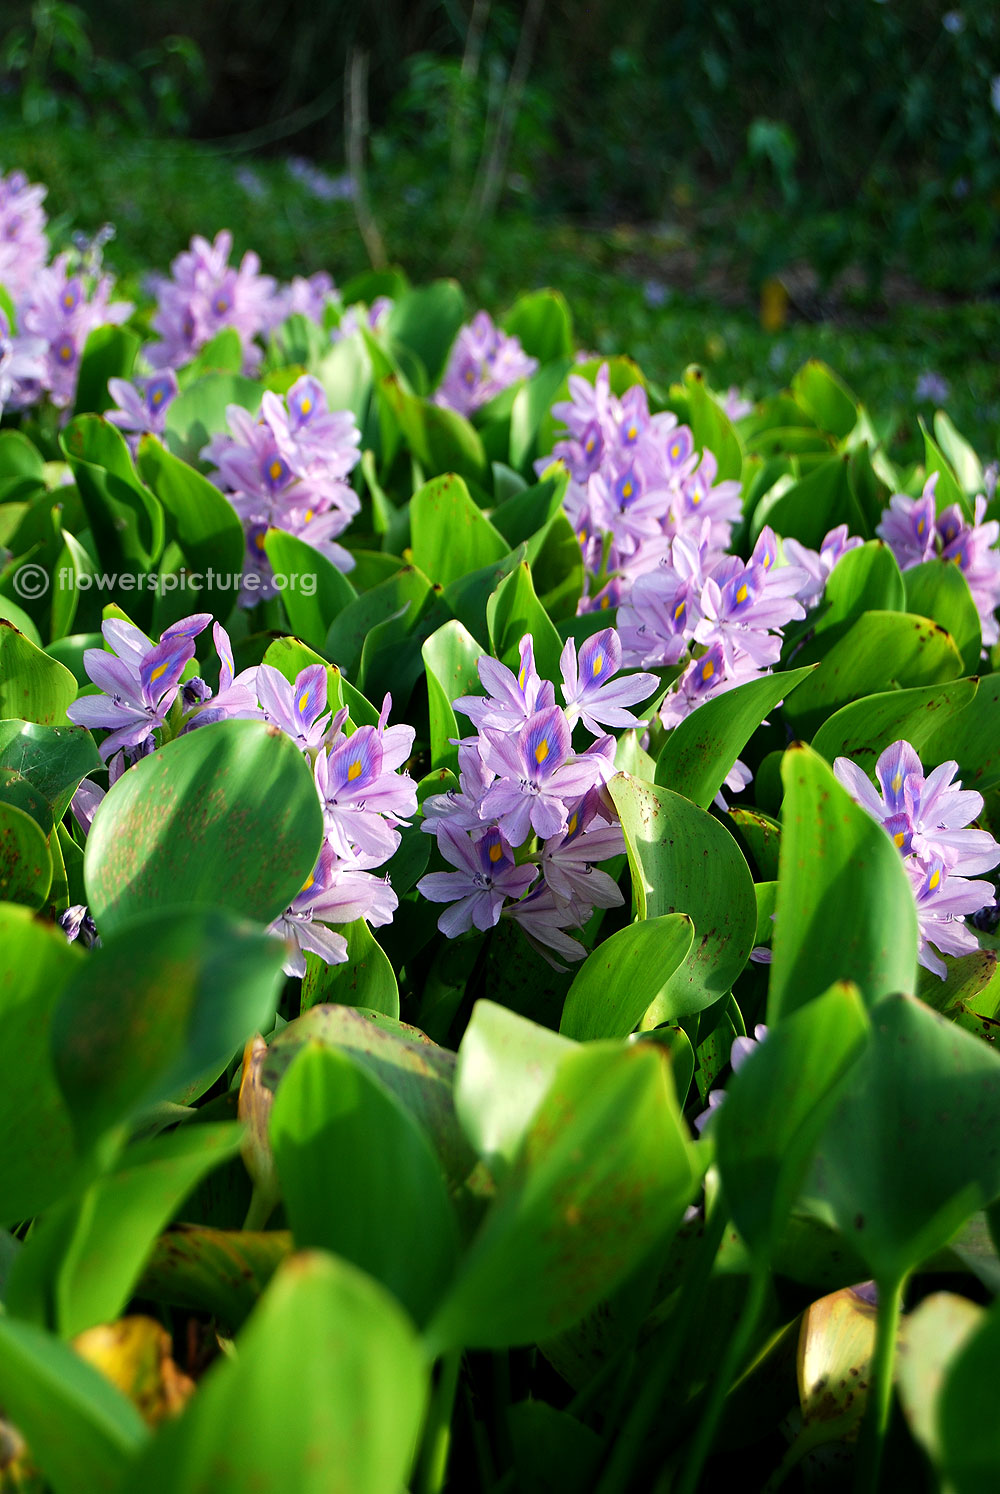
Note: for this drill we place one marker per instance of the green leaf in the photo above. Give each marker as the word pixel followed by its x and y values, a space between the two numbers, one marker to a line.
pixel 683 861
pixel 223 353
pixel 776 1107
pixel 620 981
pixel 866 579
pixel 863 729
pixel 204 523
pixel 366 979
pixel 947 490
pixel 108 353
pixel 405 593
pixel 314 592
pixel 933 1336
pixel 360 1179
pixel 966 1424
pixel 881 649
pixel 826 398
pixel 910 1151
pixel 74 573
pixel 440 439
pixel 846 909
pixel 214 1271
pixel 189 986
pixel 36 1159
pixel 126 520
pixel 82 1262
pixel 514 610
pixel 469 596
pixel 254 1424
pixel 426 320
pixel 542 323
pixel 552 1449
pixel 505 1066
pixel 25 861
pixel 199 411
pixel 521 517
pixel 761 835
pixel 81 1429
pixel 41 767
pixel 20 458
pixel 226 815
pixel 450 535
pixel 973 738
pixel 711 427
pixel 451 655
pixel 531 409
pixel 938 590
pixel 957 451
pixel 811 507
pixel 698 754
pixel 33 686
pixel 603 1176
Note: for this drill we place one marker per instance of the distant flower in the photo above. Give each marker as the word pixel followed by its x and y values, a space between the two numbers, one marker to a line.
pixel 23 245
pixel 738 1054
pixel 250 182
pixel 318 184
pixel 63 308
pixel 202 296
pixel 995 93
pixel 374 318
pixel 483 362
pixel 932 388
pixel 735 406
pixel 22 365
pixel 655 293
pixel 953 22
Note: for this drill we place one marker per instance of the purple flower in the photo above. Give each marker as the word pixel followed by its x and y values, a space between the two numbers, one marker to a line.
pixel 23 245
pixel 742 606
pixel 511 698
pixel 907 526
pixel 569 861
pixel 22 366
pixel 302 297
pixel 202 296
pixel 483 362
pixel 538 776
pixel 139 681
pixel 544 919
pixel 298 710
pixel 932 388
pixel 973 547
pixel 738 1054
pixel 589 689
pixel 141 405
pixel 362 798
pixel 333 894
pixel 63 309
pixel 373 317
pixel 487 876
pixel 817 566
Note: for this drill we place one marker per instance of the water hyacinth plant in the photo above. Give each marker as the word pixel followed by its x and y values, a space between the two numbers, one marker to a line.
pixel 498 950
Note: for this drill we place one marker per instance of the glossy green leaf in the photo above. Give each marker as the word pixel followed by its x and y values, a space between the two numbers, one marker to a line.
pixel 973 738
pixel 505 1066
pixel 866 579
pixel 202 521
pixel 33 686
pixel 760 835
pixel 365 979
pixel 126 520
pixel 426 320
pixel 811 507
pixel 521 517
pixel 403 594
pixel 199 411
pixel 189 986
pixel 701 751
pixel 933 1336
pixel 254 1425
pixel 531 410
pixel 846 909
pixel 451 655
pixel 542 323
pixel 552 1449
pixel 82 1431
pixel 25 860
pixel 938 590
pixel 826 398
pixel 683 861
pixel 962 458
pixel 359 1178
pixel 74 573
pixel 617 984
pixel 314 592
pixel 41 767
pixel 711 427
pixel 226 815
pixel 440 439
pixel 775 1109
pixel 214 1271
pixel 514 610
pixel 863 729
pixel 880 649
pixel 469 597
pixel 450 535
pixel 417 1071
pixel 603 1174
pixel 82 1262
pixel 947 490
pixel 36 1159
pixel 909 1151
pixel 967 1426
pixel 108 353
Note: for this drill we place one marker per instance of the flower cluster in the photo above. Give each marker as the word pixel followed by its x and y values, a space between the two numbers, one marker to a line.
pixel 205 294
pixel 819 564
pixel 141 404
pixel 23 245
pixel 145 701
pixel 61 308
pixel 916 532
pixel 22 363
pixel 927 815
pixel 374 317
pixel 286 468
pixel 528 806
pixel 483 363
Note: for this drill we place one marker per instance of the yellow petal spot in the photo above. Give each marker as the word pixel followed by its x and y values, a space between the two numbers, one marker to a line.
pixel 897 782
pixel 679 610
pixel 303 701
pixel 306 405
pixel 259 541
pixel 542 751
pixel 627 490
pixel 159 671
pixel 707 669
pixel 598 664
pixel 631 433
pixel 522 676
pixel 309 881
pixel 695 499
pixel 935 879
pixel 582 536
pixel 675 451
pixel 65 354
pixel 310 515
pixel 920 527
pixel 605 603
pixel 589 448
pixel 768 560
pixel 898 838
pixel 573 821
pixel 741 595
pixel 354 771
pixel 496 851
pixel 157 397
pixel 275 470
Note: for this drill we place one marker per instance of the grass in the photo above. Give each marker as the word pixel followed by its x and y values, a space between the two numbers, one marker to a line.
pixel 159 192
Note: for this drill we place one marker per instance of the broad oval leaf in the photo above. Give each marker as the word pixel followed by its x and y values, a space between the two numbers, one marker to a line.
pixel 33 686
pixel 863 729
pixel 25 860
pixel 41 767
pixel 618 983
pixel 450 535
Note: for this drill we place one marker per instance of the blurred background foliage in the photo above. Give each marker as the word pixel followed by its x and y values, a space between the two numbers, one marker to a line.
pixel 723 182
